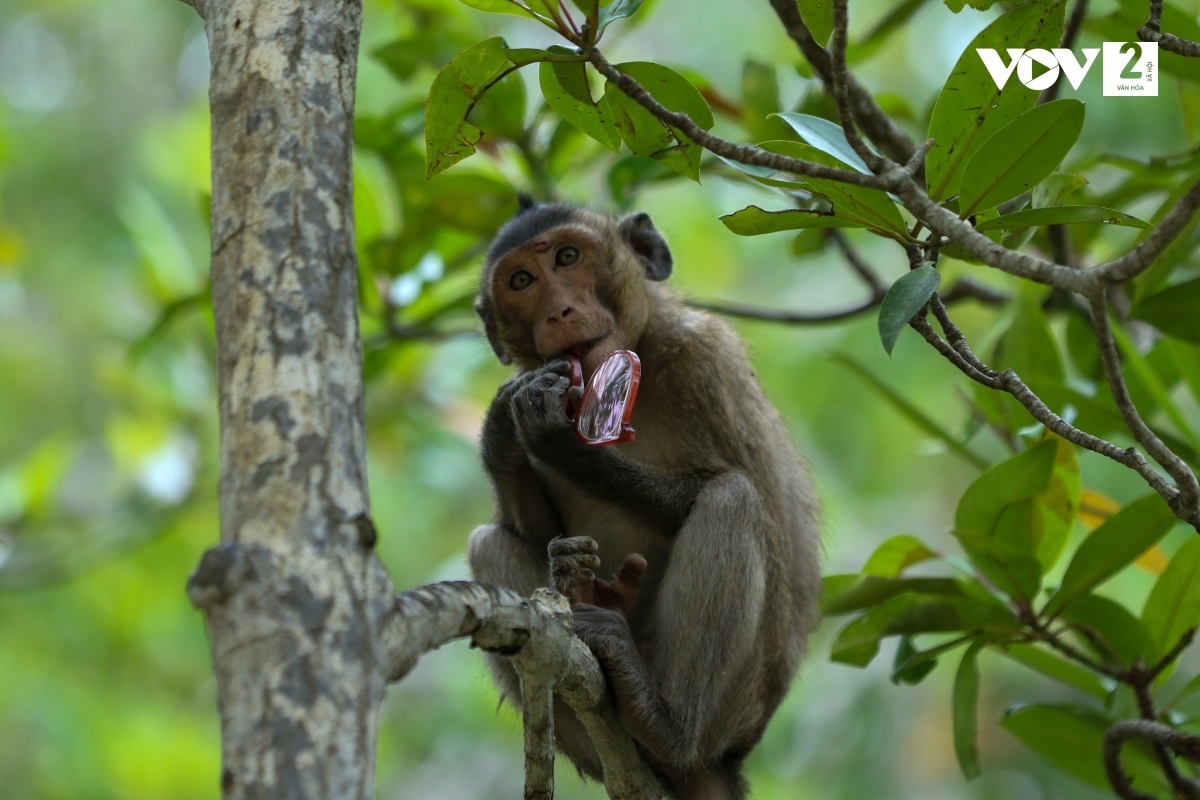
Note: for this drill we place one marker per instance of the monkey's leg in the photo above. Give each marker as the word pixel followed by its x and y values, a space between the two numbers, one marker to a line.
pixel 498 556
pixel 693 701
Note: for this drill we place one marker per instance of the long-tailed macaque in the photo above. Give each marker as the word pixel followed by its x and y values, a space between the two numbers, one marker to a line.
pixel 708 515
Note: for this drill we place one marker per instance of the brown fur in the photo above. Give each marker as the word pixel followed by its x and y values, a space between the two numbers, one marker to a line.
pixel 712 493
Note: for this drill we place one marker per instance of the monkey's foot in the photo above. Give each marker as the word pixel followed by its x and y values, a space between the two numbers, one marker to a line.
pixel 573 562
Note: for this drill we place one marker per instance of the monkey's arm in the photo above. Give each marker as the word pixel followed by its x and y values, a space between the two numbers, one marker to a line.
pixel 522 504
pixel 665 498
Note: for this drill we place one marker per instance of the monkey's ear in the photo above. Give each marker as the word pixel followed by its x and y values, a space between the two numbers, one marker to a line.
pixel 525 202
pixel 648 244
pixel 489 330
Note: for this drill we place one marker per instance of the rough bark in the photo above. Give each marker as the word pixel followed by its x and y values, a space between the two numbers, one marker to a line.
pixel 294 596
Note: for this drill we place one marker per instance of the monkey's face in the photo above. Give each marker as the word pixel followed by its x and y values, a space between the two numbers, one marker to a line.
pixel 549 298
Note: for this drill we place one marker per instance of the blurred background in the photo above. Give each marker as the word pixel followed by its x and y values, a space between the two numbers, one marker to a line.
pixel 107 400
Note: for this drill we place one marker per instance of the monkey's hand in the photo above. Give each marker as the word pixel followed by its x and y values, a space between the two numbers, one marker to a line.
pixel 573 565
pixel 500 447
pixel 539 413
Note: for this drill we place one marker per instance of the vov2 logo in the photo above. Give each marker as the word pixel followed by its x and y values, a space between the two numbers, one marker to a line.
pixel 1130 68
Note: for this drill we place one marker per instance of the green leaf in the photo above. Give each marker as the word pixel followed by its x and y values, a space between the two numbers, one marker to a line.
pixel 966 703
pixel 818 16
pixel 970 109
pixel 565 87
pixel 1122 538
pixel 1121 636
pixel 896 555
pixel 434 46
pixel 1062 215
pixel 501 7
pixel 842 596
pixel 753 221
pixel 1174 603
pixel 858 642
pixel 619 9
pixel 1056 667
pixel 1020 155
pixel 643 132
pixel 1056 508
pixel 920 663
pixel 1071 738
pixel 1029 349
pixel 917 672
pixel 996 524
pixel 979 5
pixel 871 206
pixel 760 100
pixel 826 136
pixel 1055 190
pixel 449 138
pixel 1147 380
pixel 904 299
pixel 1174 311
pixel 910 412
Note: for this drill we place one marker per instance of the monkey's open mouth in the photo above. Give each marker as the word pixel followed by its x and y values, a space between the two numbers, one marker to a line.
pixel 583 348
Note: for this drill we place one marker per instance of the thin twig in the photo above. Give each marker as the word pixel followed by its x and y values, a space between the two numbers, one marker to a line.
pixel 1184 643
pixel 1150 33
pixel 1145 701
pixel 856 263
pixel 1186 745
pixel 839 75
pixel 876 123
pixel 1185 500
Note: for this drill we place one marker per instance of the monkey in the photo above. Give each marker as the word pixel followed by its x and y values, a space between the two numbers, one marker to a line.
pixel 709 512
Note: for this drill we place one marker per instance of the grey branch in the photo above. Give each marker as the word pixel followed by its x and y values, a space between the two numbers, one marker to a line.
pixel 536 635
pixel 1150 33
pixel 1156 732
pixel 880 127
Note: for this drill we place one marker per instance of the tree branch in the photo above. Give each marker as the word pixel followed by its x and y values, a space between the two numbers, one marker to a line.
pixel 536 635
pixel 1184 501
pixel 880 127
pixel 1150 33
pixel 839 75
pixel 1186 745
pixel 199 5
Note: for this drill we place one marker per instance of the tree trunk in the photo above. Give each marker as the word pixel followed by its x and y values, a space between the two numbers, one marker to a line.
pixel 294 595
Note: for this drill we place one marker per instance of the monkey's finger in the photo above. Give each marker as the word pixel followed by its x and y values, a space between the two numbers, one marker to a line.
pixel 632 571
pixel 574 544
pixel 560 366
pixel 575 561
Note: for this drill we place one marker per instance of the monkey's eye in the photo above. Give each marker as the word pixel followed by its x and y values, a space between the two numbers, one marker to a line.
pixel 520 280
pixel 566 256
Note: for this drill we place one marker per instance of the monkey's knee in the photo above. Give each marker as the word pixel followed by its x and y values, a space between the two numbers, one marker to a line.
pixel 500 557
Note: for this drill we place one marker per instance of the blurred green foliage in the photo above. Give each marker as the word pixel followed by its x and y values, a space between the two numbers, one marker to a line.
pixel 107 403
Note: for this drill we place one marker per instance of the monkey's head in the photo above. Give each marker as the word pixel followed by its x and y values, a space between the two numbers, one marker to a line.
pixel 562 280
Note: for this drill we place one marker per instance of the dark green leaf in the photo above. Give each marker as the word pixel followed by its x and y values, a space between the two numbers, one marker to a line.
pixel 643 132
pixel 842 597
pixel 619 9
pixel 1116 633
pixel 826 136
pixel 753 221
pixel 914 674
pixel 979 5
pixel 872 206
pixel 966 703
pixel 565 87
pixel 1174 604
pixel 880 34
pixel 1070 738
pixel 858 642
pixel 996 523
pixel 1056 667
pixel 449 138
pixel 896 555
pixel 1030 349
pixel 1125 536
pixel 970 109
pixel 760 99
pixel 1062 215
pixel 818 16
pixel 1020 155
pixel 1175 310
pixel 500 112
pixel 919 663
pixel 904 299
pixel 434 46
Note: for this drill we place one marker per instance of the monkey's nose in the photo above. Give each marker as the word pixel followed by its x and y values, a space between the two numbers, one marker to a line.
pixel 563 314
